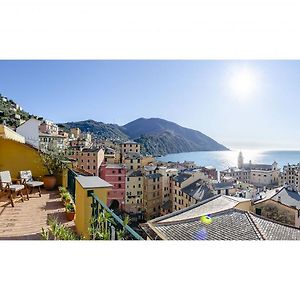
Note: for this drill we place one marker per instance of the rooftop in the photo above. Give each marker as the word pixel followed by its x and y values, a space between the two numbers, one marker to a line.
pixel 223 185
pixel 152 176
pixel 231 224
pixel 137 173
pixel 133 155
pixel 130 142
pixel 115 166
pixel 198 190
pixel 92 182
pixel 181 177
pixel 212 205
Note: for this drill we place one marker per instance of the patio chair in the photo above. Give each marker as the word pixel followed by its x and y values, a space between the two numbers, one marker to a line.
pixel 6 184
pixel 27 180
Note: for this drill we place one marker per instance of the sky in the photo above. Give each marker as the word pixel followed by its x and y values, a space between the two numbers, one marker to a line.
pixel 241 104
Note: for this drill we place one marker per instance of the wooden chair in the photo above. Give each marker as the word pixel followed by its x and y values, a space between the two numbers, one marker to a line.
pixel 29 182
pixel 6 184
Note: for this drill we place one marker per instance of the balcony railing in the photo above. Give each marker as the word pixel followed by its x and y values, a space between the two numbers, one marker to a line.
pixel 113 225
pixel 71 182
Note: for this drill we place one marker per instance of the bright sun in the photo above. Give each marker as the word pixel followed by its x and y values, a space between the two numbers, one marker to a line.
pixel 243 83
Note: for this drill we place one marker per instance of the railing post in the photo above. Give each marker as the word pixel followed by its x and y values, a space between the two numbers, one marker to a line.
pixel 83 187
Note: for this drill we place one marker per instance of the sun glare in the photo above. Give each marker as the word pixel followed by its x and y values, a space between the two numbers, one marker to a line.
pixel 243 83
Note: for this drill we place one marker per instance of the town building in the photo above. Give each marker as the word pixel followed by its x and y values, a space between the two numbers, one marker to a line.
pixel 259 175
pixel 281 204
pixel 43 135
pixel 290 175
pixel 181 199
pixel 225 188
pixel 130 146
pixel 152 195
pixel 133 161
pixel 110 156
pixel 115 174
pixel 75 133
pixel 88 159
pixel 167 174
pixel 134 193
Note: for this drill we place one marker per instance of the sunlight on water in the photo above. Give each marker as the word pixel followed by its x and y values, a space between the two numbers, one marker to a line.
pixel 223 159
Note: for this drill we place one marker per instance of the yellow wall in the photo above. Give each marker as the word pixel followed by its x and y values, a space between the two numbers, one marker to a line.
pixel 244 206
pixel 15 156
pixel 84 209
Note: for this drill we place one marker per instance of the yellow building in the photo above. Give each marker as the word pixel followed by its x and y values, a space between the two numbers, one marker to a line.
pixel 133 161
pixel 134 192
pixel 148 159
pixel 152 195
pixel 188 188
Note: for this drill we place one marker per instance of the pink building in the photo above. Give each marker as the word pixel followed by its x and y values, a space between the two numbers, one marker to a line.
pixel 115 174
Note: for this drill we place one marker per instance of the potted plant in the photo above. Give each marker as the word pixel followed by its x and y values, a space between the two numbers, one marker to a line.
pixel 66 198
pixel 54 163
pixel 70 211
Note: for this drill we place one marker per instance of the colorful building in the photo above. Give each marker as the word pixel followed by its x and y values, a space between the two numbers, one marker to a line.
pixel 88 159
pixel 130 146
pixel 134 192
pixel 115 174
pixel 133 161
pixel 153 197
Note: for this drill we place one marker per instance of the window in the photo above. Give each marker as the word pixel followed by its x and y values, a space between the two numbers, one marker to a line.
pixel 120 171
pixel 119 178
pixel 94 167
pixel 258 211
pixel 119 185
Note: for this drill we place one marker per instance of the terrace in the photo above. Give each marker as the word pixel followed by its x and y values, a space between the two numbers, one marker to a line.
pixel 26 219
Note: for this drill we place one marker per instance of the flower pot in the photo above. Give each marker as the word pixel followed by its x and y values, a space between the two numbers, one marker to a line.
pixel 49 182
pixel 70 215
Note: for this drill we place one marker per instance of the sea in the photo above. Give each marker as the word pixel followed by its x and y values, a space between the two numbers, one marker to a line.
pixel 221 160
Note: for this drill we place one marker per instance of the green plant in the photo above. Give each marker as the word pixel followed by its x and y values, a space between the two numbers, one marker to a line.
pixel 65 196
pixel 100 228
pixel 53 162
pixel 62 190
pixel 57 231
pixel 70 207
pixel 122 232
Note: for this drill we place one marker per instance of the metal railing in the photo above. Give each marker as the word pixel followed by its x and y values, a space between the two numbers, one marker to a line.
pixel 71 182
pixel 116 224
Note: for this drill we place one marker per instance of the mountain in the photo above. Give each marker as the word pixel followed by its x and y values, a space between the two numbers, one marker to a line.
pixel 160 137
pixel 157 136
pixel 99 129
